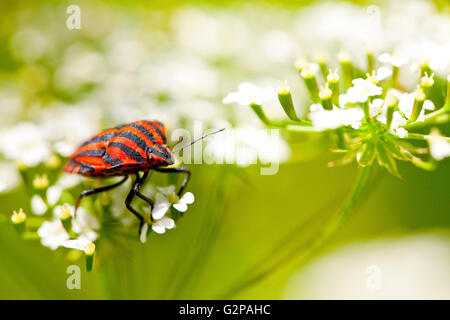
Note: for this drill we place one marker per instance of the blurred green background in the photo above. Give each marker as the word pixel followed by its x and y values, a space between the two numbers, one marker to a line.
pixel 241 221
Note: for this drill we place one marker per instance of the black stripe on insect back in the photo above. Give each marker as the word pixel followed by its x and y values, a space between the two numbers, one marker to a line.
pixel 163 137
pixel 100 152
pixel 141 143
pixel 129 152
pixel 102 138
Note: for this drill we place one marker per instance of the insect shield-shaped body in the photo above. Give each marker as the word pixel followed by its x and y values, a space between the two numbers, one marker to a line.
pixel 125 150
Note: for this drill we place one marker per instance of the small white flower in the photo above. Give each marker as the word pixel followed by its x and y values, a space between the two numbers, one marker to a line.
pixel 439 147
pixel 52 234
pixel 84 223
pixel 393 59
pixel 248 93
pixel 53 194
pixel 406 104
pixel 331 119
pixel 398 121
pixel 161 225
pixel 167 197
pixel 376 107
pixel 38 205
pixel 9 176
pixel 383 73
pixel 362 89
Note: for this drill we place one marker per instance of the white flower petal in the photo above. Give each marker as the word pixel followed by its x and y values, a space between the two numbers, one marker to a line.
pixel 38 205
pixel 53 194
pixel 52 234
pixel 168 223
pixel 383 73
pixel 180 206
pixel 79 244
pixel 187 198
pixel 160 209
pixel 158 228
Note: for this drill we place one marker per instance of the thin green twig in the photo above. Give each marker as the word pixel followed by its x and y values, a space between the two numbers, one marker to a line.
pixel 305 250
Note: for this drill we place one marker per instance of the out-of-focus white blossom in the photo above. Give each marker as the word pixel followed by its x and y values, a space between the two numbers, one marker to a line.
pixel 337 117
pixel 10 177
pixel 439 146
pixel 393 59
pixel 24 143
pixel 79 244
pixel 38 205
pixel 53 234
pixel 248 93
pixel 361 90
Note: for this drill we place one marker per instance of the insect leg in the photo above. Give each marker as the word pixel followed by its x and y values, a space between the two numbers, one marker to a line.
pixel 138 185
pixel 178 170
pixel 97 190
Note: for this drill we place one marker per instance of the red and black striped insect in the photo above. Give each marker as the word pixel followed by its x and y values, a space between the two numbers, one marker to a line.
pixel 126 150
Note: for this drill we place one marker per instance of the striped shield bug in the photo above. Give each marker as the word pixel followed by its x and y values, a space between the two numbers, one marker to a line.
pixel 128 149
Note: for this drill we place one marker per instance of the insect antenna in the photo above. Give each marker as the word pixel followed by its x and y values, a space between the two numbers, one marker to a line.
pixel 196 140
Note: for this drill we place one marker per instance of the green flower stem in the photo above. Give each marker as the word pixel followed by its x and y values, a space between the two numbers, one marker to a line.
pixel 430 119
pixel 347 73
pixel 334 87
pixel 370 62
pixel 261 115
pixel 285 98
pixel 423 137
pixel 323 68
pixel 366 109
pixel 313 87
pixel 305 250
pixel 394 78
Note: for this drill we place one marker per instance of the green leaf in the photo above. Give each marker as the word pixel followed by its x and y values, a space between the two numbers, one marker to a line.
pixel 367 154
pixel 385 160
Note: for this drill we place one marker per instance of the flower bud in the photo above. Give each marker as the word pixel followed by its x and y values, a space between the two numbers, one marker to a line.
pixel 391 101
pixel 40 182
pixel 424 68
pixel 285 98
pixel 419 99
pixel 300 64
pixel 65 216
pixel 18 219
pixel 53 161
pixel 89 253
pixel 426 82
pixel 347 68
pixel 333 85
pixel 370 60
pixel 325 95
pixel 321 59
pixel 309 77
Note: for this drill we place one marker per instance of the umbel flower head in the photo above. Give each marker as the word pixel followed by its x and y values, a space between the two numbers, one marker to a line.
pixel 373 117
